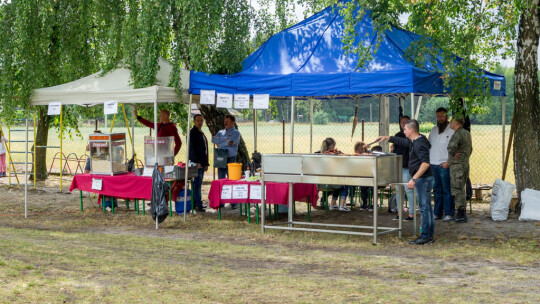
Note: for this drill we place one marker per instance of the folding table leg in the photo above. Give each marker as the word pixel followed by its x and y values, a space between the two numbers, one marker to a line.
pixel 219 213
pixel 80 191
pixel 170 200
pixel 257 208
pixel 248 212
pixel 143 207
pixel 308 209
pixel 127 203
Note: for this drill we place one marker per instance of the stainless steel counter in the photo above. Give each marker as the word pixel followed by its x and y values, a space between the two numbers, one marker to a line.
pixel 364 170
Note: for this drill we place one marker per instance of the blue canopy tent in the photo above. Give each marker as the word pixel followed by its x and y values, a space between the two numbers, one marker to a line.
pixel 308 60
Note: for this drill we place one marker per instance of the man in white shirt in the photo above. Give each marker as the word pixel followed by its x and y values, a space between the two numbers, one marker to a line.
pixel 439 137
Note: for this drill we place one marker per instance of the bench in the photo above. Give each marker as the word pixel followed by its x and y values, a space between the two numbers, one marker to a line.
pixel 478 191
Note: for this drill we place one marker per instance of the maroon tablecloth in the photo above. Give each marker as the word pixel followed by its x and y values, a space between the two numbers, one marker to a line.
pixel 276 193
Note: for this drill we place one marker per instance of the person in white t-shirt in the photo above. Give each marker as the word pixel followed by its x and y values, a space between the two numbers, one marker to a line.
pixel 439 137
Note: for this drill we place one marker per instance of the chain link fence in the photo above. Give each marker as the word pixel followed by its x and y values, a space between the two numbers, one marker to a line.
pixel 332 118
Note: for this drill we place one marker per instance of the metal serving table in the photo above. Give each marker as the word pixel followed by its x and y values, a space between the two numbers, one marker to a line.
pixel 364 170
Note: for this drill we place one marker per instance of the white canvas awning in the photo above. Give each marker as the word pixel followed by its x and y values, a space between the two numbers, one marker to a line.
pixel 114 85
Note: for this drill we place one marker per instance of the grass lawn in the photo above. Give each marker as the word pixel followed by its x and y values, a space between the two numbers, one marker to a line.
pixel 59 255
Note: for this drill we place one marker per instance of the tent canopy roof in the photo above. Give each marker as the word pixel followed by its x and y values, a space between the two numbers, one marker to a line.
pixel 308 60
pixel 114 85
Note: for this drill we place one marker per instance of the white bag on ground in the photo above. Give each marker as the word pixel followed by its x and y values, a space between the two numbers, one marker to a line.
pixel 501 196
pixel 530 205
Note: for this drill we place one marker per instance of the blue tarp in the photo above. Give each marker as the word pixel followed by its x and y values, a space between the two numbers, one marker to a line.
pixel 308 59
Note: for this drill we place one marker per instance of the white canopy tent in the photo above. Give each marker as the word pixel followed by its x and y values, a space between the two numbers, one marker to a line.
pixel 115 85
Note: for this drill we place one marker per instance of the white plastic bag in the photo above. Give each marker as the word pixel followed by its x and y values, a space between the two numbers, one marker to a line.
pixel 530 205
pixel 501 196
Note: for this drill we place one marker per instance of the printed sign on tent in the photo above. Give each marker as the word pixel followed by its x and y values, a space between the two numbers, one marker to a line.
pixel 208 97
pixel 260 101
pixel 54 108
pixel 110 107
pixel 496 85
pixel 224 100
pixel 241 101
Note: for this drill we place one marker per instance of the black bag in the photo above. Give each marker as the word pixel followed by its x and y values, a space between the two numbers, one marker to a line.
pixel 131 163
pixel 220 158
pixel 160 188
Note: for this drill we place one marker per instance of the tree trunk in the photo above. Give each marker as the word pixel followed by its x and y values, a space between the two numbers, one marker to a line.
pixel 42 136
pixel 215 118
pixel 526 105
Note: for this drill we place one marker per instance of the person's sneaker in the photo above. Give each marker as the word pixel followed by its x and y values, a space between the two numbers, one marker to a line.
pixel 370 209
pixel 333 207
pixel 461 216
pixel 396 218
pixel 448 218
pixel 200 209
pixel 437 217
pixel 345 209
pixel 408 218
pixel 422 241
pixel 234 206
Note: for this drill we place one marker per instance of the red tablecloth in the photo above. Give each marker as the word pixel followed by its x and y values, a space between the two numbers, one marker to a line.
pixel 123 186
pixel 276 193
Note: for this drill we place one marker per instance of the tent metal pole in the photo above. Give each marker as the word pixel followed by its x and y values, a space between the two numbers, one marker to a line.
pixel 503 129
pixel 292 124
pixel 311 126
pixel 412 106
pixel 255 129
pixel 133 135
pixel 26 172
pixel 187 157
pixel 384 121
pixel 61 147
pixel 155 143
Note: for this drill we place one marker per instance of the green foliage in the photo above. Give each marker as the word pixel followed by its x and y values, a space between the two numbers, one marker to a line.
pixel 321 118
pixel 426 127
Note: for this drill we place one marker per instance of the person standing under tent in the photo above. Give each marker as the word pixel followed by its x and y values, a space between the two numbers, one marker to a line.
pixel 404 151
pixel 421 176
pixel 459 152
pixel 3 151
pixel 227 139
pixel 439 137
pixel 165 128
pixel 198 153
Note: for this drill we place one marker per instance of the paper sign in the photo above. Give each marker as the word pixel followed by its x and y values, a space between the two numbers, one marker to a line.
pixel 260 101
pixel 240 191
pixel 110 107
pixel 97 183
pixel 255 192
pixel 241 101
pixel 169 169
pixel 496 85
pixel 148 171
pixel 208 97
pixel 224 100
pixel 226 192
pixel 54 108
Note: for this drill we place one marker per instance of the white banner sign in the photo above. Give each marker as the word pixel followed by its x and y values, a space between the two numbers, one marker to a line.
pixel 260 101
pixel 97 183
pixel 241 101
pixel 54 108
pixel 496 85
pixel 208 97
pixel 224 100
pixel 240 191
pixel 226 192
pixel 110 107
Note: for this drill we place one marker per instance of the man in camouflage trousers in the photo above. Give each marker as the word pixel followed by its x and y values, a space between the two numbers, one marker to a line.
pixel 459 152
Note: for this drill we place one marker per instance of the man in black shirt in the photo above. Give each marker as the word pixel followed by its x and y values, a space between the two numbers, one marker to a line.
pixel 198 153
pixel 422 177
pixel 404 151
